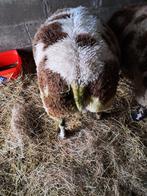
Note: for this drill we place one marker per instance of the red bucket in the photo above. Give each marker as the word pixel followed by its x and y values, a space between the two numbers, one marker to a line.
pixel 10 64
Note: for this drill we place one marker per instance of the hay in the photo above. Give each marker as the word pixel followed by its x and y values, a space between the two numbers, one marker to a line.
pixel 103 158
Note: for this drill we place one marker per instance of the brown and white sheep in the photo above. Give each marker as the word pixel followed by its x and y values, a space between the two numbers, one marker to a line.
pixel 77 61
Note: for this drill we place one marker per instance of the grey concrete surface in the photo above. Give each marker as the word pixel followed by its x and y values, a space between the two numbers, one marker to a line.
pixel 19 19
pixel 19 11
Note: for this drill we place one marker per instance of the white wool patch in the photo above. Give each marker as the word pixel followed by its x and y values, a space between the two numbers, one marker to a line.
pixel 83 21
pixel 90 64
pixel 62 59
pixel 94 105
pixel 73 63
pixel 39 53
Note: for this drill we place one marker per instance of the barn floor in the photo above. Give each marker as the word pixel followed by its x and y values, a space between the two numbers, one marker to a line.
pixel 103 157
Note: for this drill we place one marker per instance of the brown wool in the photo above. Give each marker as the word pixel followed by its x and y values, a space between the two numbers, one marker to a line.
pixel 50 34
pixel 132 35
pixel 120 20
pixel 110 39
pixel 59 106
pixel 128 37
pixel 59 100
pixel 49 78
pixel 142 41
pixel 85 39
pixel 105 86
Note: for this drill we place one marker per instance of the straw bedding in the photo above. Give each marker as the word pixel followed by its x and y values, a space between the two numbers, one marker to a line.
pixel 100 158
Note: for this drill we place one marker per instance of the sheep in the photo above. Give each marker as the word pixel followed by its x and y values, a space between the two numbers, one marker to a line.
pixel 77 59
pixel 130 27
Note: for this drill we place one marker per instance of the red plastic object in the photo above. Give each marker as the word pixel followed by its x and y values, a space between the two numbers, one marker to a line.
pixel 10 64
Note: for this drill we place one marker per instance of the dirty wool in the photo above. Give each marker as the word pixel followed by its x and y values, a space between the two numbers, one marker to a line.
pixel 99 157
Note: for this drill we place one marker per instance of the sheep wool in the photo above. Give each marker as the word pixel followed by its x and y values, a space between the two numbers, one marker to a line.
pixel 77 59
pixel 130 27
